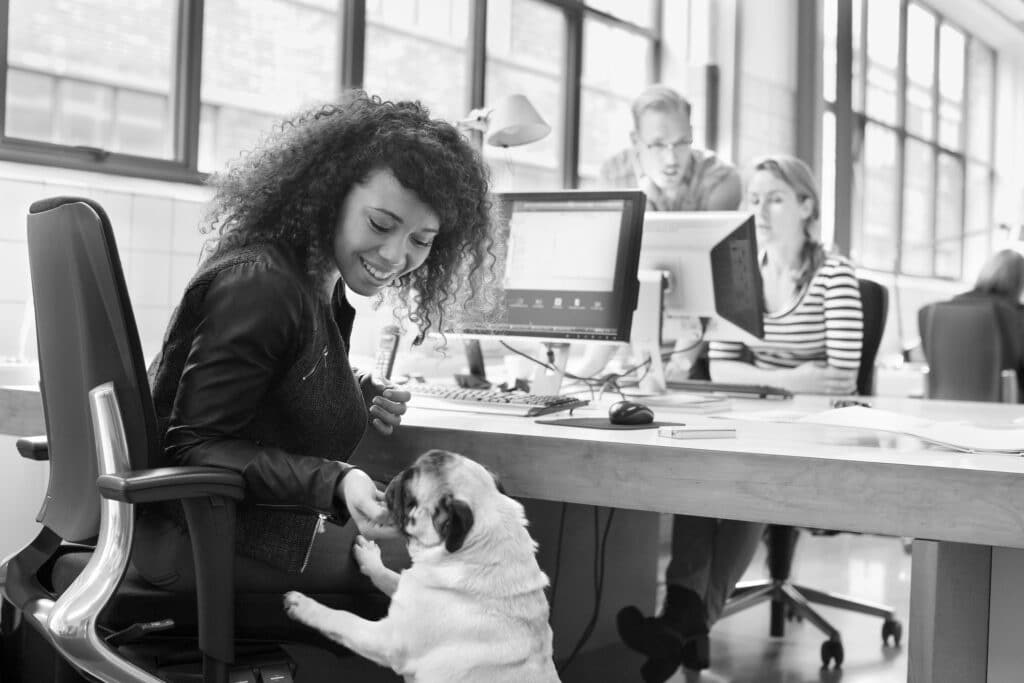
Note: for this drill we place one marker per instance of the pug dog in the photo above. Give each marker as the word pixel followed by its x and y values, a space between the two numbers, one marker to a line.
pixel 472 605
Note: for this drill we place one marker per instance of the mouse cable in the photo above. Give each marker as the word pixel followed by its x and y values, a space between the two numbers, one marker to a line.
pixel 668 354
pixel 592 383
pixel 600 545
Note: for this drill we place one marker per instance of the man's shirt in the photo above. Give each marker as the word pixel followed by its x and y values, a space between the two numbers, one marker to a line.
pixel 704 173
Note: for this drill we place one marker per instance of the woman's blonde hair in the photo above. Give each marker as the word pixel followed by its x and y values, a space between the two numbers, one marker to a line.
pixel 1002 274
pixel 799 176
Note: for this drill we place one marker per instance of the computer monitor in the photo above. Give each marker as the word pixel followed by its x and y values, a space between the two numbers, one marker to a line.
pixel 711 261
pixel 568 271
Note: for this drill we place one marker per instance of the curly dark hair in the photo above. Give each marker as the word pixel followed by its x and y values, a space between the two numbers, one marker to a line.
pixel 290 189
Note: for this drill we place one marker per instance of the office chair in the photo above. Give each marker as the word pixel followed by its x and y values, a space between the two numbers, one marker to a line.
pixel 970 356
pixel 787 598
pixel 73 607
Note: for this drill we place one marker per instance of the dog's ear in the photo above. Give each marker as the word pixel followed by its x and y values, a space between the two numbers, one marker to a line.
pixel 456 519
pixel 397 499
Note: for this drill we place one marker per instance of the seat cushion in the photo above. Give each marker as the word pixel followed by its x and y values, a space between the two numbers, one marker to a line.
pixel 258 616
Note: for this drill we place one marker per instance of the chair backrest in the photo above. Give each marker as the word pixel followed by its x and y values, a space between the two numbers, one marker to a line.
pixel 963 345
pixel 86 333
pixel 874 301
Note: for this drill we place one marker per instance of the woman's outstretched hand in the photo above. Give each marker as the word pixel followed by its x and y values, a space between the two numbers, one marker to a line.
pixel 387 407
pixel 365 503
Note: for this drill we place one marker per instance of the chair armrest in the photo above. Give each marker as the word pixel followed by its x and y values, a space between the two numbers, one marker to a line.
pixel 34 447
pixel 203 492
pixel 171 483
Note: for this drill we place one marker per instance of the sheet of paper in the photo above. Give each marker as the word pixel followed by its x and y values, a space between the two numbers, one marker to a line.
pixel 956 435
pixel 774 415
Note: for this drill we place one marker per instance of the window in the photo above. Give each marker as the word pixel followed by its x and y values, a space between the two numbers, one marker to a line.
pixel 526 49
pixel 419 52
pixel 262 60
pixel 921 93
pixel 175 89
pixel 617 64
pixel 93 73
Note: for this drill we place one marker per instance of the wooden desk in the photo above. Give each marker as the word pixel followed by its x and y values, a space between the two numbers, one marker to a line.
pixel 969 507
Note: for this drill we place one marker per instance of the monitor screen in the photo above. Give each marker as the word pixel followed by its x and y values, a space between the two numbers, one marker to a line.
pixel 711 260
pixel 568 263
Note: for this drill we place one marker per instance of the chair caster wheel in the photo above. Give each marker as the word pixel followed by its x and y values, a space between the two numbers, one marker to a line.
pixel 831 651
pixel 892 627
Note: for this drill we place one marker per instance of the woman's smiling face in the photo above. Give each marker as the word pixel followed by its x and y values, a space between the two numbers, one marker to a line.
pixel 384 231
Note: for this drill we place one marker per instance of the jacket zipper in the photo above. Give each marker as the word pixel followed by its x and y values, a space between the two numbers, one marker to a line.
pixel 321 359
pixel 321 527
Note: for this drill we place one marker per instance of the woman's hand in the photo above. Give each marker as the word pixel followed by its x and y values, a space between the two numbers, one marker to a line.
pixel 819 378
pixel 387 406
pixel 365 503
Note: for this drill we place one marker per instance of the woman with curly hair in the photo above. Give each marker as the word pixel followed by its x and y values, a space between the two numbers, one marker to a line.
pixel 363 196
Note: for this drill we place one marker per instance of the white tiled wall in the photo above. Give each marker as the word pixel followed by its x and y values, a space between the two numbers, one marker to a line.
pixel 156 226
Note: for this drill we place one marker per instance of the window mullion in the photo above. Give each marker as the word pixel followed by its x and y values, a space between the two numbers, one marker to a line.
pixel 353 43
pixel 573 94
pixel 476 55
pixel 187 82
pixel 901 127
pixel 5 27
pixel 844 128
pixel 936 105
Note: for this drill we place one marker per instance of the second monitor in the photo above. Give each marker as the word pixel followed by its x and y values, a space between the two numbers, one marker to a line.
pixel 711 262
pixel 567 266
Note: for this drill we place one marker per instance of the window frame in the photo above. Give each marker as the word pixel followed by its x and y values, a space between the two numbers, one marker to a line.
pixel 187 71
pixel 851 124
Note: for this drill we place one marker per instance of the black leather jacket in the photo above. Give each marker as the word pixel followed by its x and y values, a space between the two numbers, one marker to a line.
pixel 254 377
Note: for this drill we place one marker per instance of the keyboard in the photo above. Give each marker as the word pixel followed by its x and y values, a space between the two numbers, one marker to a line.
pixel 703 385
pixel 451 397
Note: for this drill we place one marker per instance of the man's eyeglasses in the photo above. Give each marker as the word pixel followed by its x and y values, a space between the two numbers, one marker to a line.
pixel 677 146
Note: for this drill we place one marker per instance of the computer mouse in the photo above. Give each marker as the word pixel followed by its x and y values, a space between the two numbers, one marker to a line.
pixel 630 413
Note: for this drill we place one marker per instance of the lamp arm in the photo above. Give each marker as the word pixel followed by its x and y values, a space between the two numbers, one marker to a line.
pixel 476 119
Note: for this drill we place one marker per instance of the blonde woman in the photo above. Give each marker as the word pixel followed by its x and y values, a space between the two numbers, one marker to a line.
pixel 812 344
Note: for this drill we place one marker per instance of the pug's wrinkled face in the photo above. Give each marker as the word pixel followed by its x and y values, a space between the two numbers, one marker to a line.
pixel 432 502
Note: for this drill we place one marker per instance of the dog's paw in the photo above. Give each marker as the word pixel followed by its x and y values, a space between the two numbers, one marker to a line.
pixel 297 606
pixel 367 554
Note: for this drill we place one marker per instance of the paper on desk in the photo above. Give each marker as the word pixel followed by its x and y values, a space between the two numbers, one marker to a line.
pixel 688 403
pixel 771 415
pixel 956 435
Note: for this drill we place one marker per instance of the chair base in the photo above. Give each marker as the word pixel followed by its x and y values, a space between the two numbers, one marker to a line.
pixel 792 599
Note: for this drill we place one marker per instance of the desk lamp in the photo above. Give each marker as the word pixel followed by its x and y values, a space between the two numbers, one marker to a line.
pixel 513 121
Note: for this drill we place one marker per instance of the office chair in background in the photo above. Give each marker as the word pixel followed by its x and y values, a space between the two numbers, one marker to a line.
pixel 786 597
pixel 71 603
pixel 969 356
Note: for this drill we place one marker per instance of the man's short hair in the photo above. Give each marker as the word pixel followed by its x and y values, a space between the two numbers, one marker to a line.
pixel 659 97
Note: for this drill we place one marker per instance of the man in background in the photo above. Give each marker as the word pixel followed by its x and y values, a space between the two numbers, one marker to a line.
pixel 663 163
pixel 675 176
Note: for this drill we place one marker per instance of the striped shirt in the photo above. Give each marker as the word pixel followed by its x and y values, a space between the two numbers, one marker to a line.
pixel 825 323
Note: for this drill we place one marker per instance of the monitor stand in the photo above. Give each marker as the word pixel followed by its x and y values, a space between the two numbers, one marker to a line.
pixel 645 334
pixel 548 381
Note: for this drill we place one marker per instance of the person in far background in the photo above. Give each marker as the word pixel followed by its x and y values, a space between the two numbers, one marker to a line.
pixel 675 176
pixel 662 161
pixel 1002 280
pixel 812 344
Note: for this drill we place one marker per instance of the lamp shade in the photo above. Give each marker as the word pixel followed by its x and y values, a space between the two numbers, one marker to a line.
pixel 514 121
